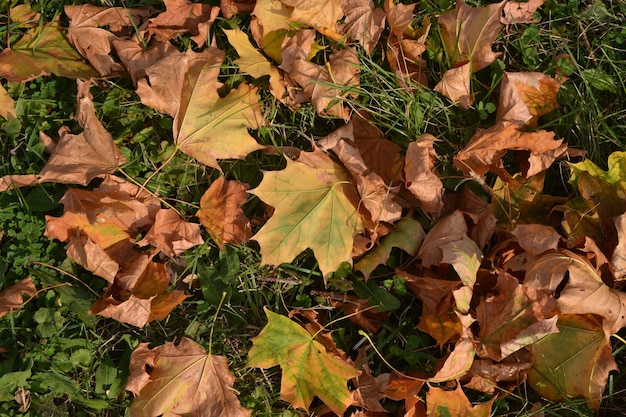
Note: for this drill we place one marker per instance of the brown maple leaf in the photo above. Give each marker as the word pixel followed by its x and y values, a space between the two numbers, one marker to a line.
pixel 136 58
pixel 181 16
pixel 181 380
pixel 221 215
pixel 230 8
pixel 364 23
pixel 420 174
pixel 485 150
pixel 139 293
pixel 171 234
pixel 455 85
pixel 525 96
pixel 324 84
pixel 94 43
pixel 76 159
pixel 521 12
pixel 11 298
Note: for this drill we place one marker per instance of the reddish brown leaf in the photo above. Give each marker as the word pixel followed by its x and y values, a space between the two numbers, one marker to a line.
pixel 403 387
pixel 468 33
pixel 486 374
pixel 94 43
pixel 443 326
pixel 324 84
pixel 77 159
pixel 512 316
pixel 449 229
pixel 421 177
pixel 11 298
pixel 221 215
pixel 520 12
pixel 230 8
pixel 136 58
pixel 171 234
pixel 181 16
pixel 364 23
pixel 369 389
pixel 181 380
pixel 486 148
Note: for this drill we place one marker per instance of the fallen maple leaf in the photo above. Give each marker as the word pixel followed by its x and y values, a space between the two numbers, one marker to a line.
pixel 328 85
pixel 455 85
pixel 377 195
pixel 24 15
pixel 520 12
pixel 208 127
pixel 578 288
pixel 76 159
pixel 7 105
pixel 513 316
pixel 317 14
pixel 449 229
pixel 314 208
pixel 172 380
pixel 468 33
pixel 136 58
pixel 308 370
pixel 486 374
pixel 181 16
pixel 139 293
pixel 458 362
pixel 221 215
pixel 420 174
pixel 230 8
pixel 43 50
pixel 364 23
pixel 11 298
pixel 272 15
pixel 94 43
pixel 525 96
pixel 171 234
pixel 574 362
pixel 486 148
pixel 251 61
pixel 369 389
pixel 442 403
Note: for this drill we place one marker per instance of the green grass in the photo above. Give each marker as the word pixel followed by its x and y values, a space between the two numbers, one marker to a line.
pixel 77 364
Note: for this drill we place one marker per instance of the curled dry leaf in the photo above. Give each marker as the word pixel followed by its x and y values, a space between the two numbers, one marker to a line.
pixel 518 12
pixel 90 154
pixel 11 298
pixel 485 150
pixel 181 16
pixel 512 316
pixel 221 215
pixel 181 380
pixel 94 43
pixel 172 235
pixel 487 374
pixel 229 8
pixel 136 58
pixel 364 23
pixel 328 85
pixel 578 287
pixel 449 229
pixel 420 174
pixel 525 96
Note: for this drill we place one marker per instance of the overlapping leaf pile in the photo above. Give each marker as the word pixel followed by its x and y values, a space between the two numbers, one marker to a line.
pixel 505 295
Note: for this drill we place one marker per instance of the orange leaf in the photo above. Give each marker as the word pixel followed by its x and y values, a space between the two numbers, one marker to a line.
pixel 221 215
pixel 171 234
pixel 421 177
pixel 443 403
pixel 364 23
pixel 11 298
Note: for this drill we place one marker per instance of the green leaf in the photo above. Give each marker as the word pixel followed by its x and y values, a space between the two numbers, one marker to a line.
pixel 312 211
pixel 376 296
pixel 599 80
pixel 11 381
pixel 43 50
pixel 308 369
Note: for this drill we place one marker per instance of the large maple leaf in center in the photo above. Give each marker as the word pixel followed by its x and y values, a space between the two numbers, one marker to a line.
pixel 314 209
